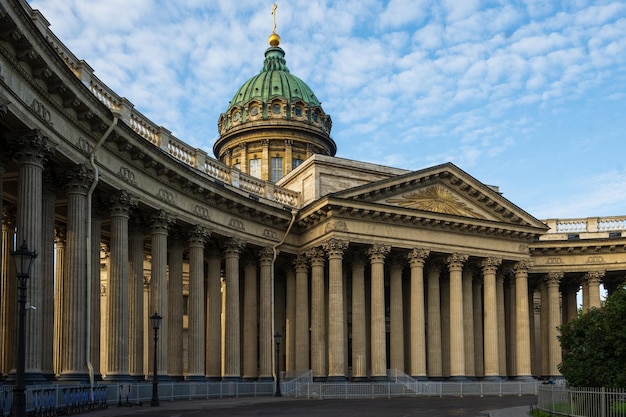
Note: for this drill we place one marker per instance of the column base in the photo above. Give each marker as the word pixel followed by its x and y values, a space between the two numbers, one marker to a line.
pixel 113 378
pixel 493 378
pixel 458 378
pixel 195 378
pixel 359 379
pixel 79 378
pixel 213 378
pixel 35 378
pixel 420 377
pixel 379 378
pixel 337 378
pixel 523 378
pixel 233 378
pixel 319 379
pixel 137 378
pixel 264 379
pixel 174 378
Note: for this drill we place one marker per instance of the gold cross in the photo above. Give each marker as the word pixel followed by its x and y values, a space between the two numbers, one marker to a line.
pixel 274 14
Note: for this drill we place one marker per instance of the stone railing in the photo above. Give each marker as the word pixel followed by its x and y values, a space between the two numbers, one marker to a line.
pixel 589 225
pixel 161 137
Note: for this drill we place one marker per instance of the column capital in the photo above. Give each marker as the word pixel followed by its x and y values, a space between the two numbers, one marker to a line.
pixel 335 247
pixel 316 256
pixel 9 216
pixel 266 256
pixel 301 263
pixel 456 260
pixel 522 267
pixel 78 179
pixel 161 221
pixel 198 235
pixel 233 246
pixel 33 147
pixel 60 234
pixel 491 264
pixel 377 252
pixel 552 279
pixel 417 256
pixel 594 277
pixel 121 203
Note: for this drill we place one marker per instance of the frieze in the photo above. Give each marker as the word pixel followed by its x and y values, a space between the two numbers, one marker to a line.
pixel 596 259
pixel 236 224
pixel 270 234
pixel 127 175
pixel 554 261
pixel 166 196
pixel 202 211
pixel 42 111
pixel 336 226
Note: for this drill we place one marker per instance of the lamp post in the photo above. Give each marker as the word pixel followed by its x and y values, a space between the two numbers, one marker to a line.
pixel 23 259
pixel 277 338
pixel 156 322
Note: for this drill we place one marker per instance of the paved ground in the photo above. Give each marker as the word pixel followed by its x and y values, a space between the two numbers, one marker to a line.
pixel 283 407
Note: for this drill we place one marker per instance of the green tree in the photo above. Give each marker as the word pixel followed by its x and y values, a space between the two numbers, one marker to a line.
pixel 594 345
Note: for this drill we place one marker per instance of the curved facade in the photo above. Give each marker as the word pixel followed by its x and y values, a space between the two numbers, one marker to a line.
pixel 362 268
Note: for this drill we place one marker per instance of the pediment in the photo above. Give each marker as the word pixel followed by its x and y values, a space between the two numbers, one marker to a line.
pixel 443 189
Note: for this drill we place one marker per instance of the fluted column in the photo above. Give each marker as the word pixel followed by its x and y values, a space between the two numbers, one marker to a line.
pixel 553 280
pixel 468 322
pixel 74 364
pixel 302 314
pixel 250 319
pixel 545 333
pixel 318 316
pixel 435 366
pixel 457 335
pixel 32 151
pixel 336 323
pixel 570 303
pixel 117 290
pixel 266 337
pixel 585 290
pixel 522 321
pixel 377 254
pixel 4 159
pixel 8 295
pixel 160 222
pixel 135 298
pixel 47 263
pixel 593 280
pixel 359 333
pixel 479 339
pixel 396 318
pixel 290 321
pixel 511 317
pixel 213 355
pixel 196 325
pixel 174 317
pixel 232 343
pixel 501 317
pixel 490 319
pixel 417 257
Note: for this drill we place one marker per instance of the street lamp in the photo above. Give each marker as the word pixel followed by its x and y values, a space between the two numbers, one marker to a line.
pixel 156 322
pixel 277 338
pixel 23 259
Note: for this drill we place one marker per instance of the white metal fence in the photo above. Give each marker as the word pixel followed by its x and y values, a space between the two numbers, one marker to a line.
pixel 582 402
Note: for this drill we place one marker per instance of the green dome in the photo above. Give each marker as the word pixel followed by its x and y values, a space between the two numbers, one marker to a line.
pixel 274 80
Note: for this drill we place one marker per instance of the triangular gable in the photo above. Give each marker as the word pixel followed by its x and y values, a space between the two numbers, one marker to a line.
pixel 442 189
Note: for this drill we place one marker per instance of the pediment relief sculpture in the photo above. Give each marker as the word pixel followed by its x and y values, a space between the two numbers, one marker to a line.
pixel 437 199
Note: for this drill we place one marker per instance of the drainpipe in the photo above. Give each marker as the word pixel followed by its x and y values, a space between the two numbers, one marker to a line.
pixel 92 162
pixel 294 213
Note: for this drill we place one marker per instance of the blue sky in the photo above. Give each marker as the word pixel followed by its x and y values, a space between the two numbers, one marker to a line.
pixel 528 95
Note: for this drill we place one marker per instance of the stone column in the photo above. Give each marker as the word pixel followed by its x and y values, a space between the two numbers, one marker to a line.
pixel 59 239
pixel 336 322
pixel 501 317
pixel 250 320
pixel 117 291
pixel 444 293
pixel 266 336
pixel 265 159
pixel 359 333
pixel 174 317
pixel 135 298
pixel 8 300
pixel 479 339
pixel 457 336
pixel 544 323
pixel 288 156
pixel 377 254
pixel 396 318
pixel 553 280
pixel 31 152
pixel 160 222
pixel 490 319
pixel 417 257
pixel 74 364
pixel 435 366
pixel 290 319
pixel 47 263
pixel 232 325
pixel 585 289
pixel 214 315
pixel 318 316
pixel 302 315
pixel 570 303
pixel 468 322
pixel 511 317
pixel 96 311
pixel 522 321
pixel 196 311
pixel 593 286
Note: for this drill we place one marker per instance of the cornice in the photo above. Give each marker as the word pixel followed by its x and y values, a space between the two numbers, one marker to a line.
pixel 578 247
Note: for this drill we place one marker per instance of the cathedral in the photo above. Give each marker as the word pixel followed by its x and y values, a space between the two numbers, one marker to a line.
pixel 361 268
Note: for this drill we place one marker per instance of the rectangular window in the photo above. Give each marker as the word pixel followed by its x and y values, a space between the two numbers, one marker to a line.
pixel 277 169
pixel 255 168
pixel 296 163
